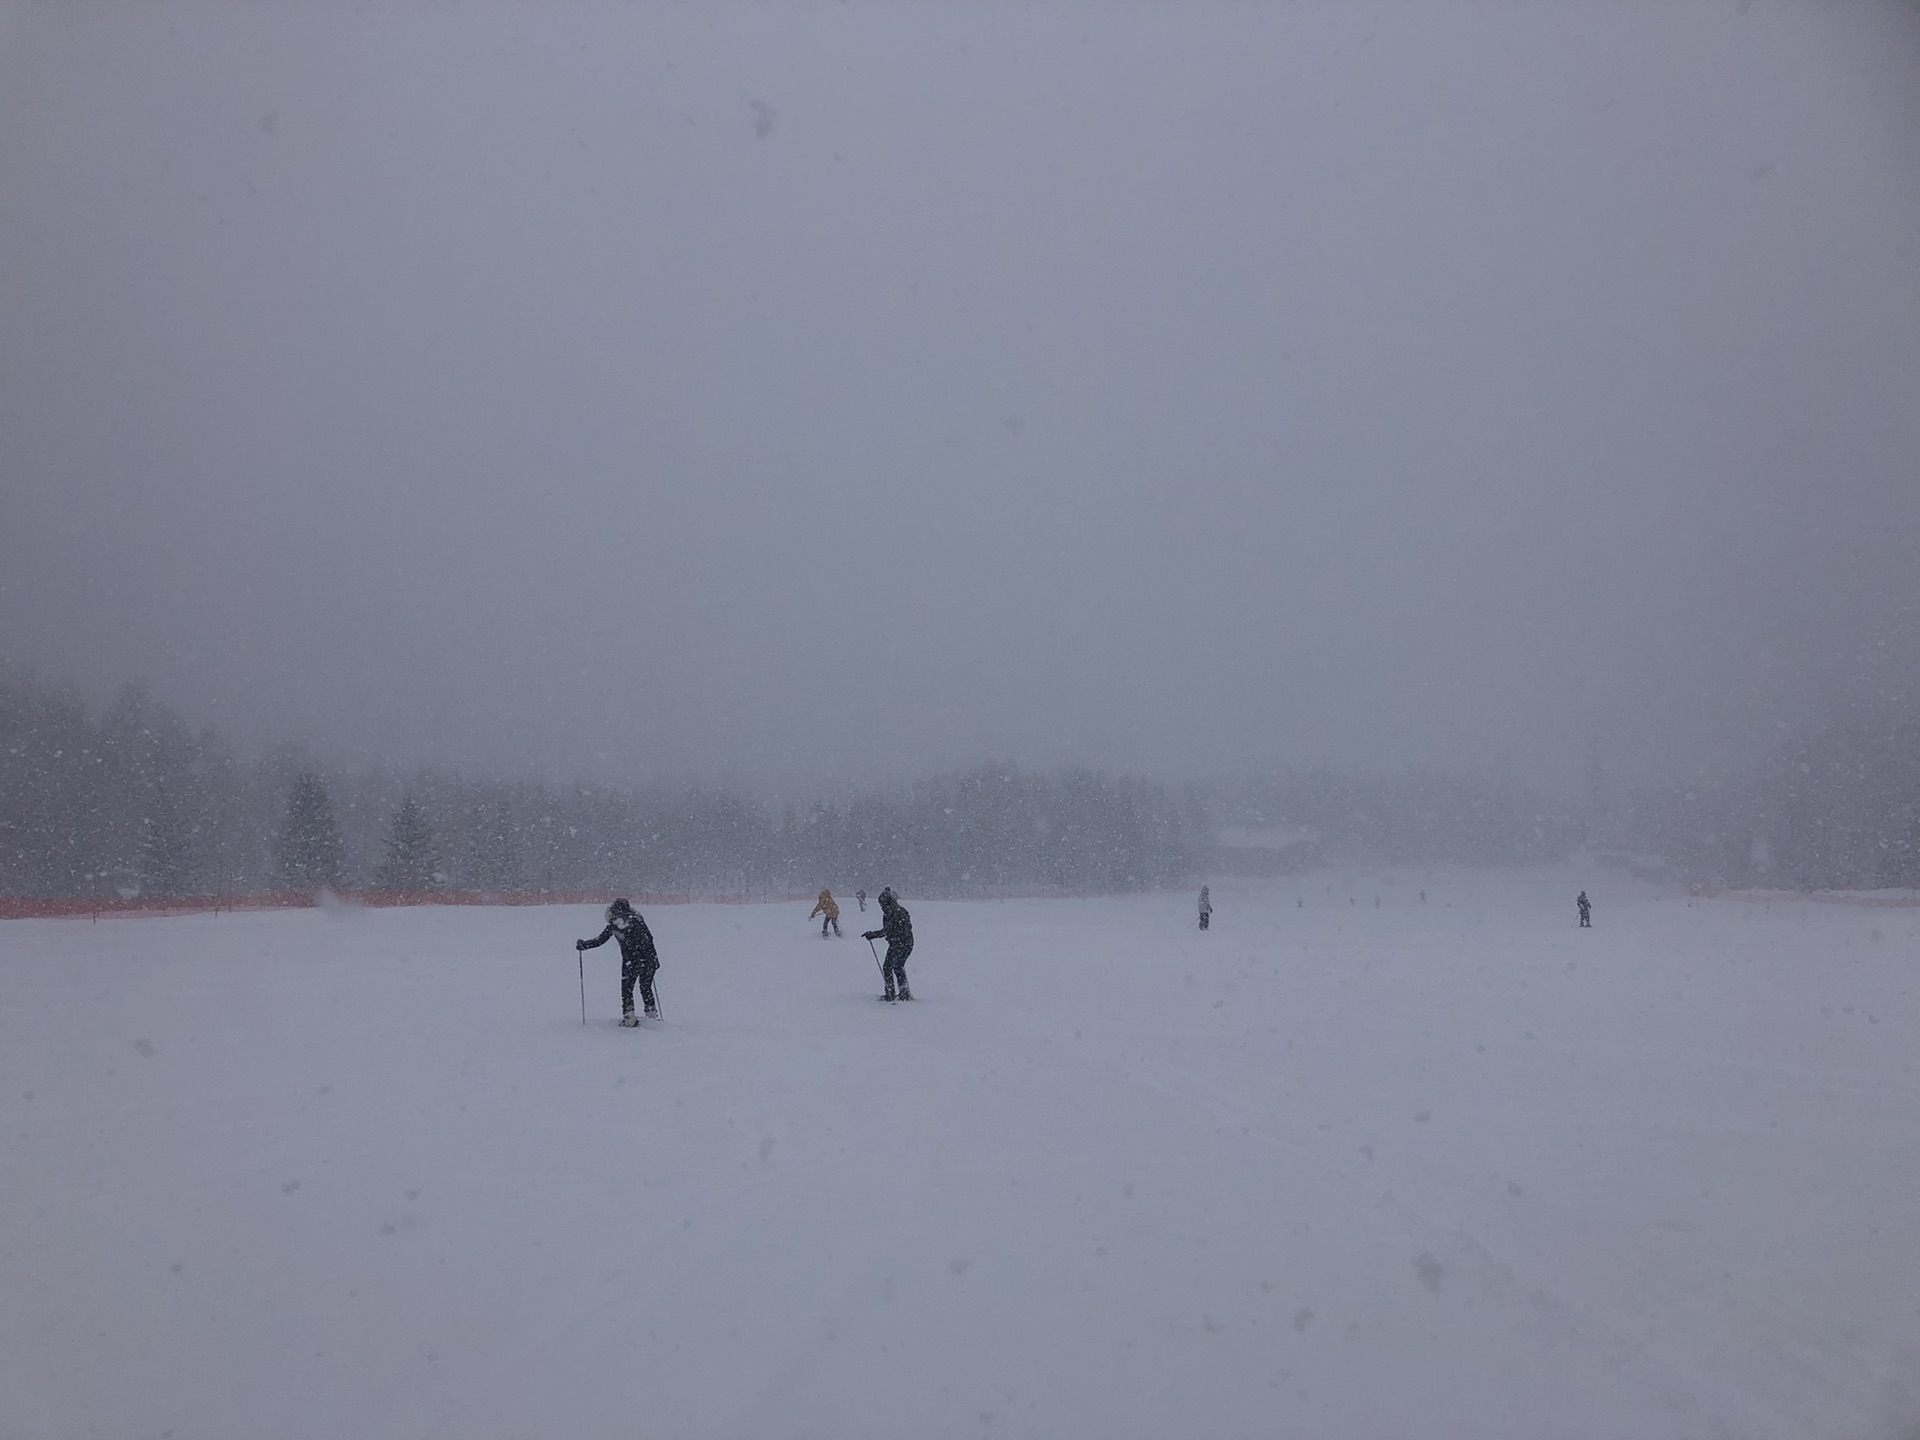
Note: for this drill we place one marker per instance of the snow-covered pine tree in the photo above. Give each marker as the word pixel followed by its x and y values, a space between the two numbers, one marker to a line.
pixel 165 859
pixel 308 853
pixel 493 849
pixel 412 861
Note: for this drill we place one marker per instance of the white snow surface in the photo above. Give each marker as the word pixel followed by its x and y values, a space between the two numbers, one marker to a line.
pixel 1452 1168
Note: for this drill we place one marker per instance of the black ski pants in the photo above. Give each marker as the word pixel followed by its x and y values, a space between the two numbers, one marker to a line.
pixel 894 967
pixel 642 971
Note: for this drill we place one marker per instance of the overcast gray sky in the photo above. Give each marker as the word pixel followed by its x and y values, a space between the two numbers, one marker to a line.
pixel 798 392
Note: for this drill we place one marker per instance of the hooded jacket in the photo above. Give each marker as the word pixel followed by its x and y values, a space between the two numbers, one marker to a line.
pixel 636 941
pixel 827 906
pixel 895 923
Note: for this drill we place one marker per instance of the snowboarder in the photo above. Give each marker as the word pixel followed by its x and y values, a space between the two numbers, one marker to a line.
pixel 638 958
pixel 897 926
pixel 1206 908
pixel 829 912
pixel 861 896
pixel 1586 910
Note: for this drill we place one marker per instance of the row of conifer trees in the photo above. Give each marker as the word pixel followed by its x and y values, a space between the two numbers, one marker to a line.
pixel 132 800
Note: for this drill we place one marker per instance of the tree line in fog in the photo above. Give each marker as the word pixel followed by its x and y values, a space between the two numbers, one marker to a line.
pixel 1407 817
pixel 133 800
pixel 1834 807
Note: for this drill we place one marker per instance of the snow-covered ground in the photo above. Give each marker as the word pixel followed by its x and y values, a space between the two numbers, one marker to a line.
pixel 1441 1168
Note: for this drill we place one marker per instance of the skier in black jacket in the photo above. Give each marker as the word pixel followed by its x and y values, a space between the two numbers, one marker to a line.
pixel 638 958
pixel 897 926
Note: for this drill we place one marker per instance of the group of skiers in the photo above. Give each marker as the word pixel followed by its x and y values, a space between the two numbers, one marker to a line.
pixel 896 927
pixel 640 959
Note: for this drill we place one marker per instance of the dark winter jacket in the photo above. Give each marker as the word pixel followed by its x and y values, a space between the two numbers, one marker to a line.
pixel 636 943
pixel 895 924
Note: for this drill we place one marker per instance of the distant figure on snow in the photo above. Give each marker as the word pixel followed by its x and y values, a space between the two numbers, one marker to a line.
pixel 896 925
pixel 829 912
pixel 1206 908
pixel 1586 910
pixel 638 958
pixel 861 896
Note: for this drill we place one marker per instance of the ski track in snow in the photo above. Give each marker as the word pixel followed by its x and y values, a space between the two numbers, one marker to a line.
pixel 1441 1168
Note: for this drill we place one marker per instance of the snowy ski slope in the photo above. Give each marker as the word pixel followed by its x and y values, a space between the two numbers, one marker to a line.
pixel 1451 1168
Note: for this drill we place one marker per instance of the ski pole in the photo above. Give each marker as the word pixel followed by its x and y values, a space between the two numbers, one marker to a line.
pixel 581 956
pixel 876 962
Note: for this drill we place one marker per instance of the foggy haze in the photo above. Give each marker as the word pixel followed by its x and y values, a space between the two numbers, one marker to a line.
pixel 806 394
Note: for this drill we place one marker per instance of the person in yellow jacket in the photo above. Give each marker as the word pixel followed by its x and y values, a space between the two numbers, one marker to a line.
pixel 829 911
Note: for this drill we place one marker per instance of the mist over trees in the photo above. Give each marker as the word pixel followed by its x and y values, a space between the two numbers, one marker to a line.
pixel 1835 807
pixel 1412 816
pixel 134 800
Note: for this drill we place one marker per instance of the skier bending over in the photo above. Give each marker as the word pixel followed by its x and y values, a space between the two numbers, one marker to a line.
pixel 897 926
pixel 638 958
pixel 829 912
pixel 1206 908
pixel 1586 910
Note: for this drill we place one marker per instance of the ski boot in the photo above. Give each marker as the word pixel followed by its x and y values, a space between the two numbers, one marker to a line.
pixel 629 1021
pixel 653 1012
